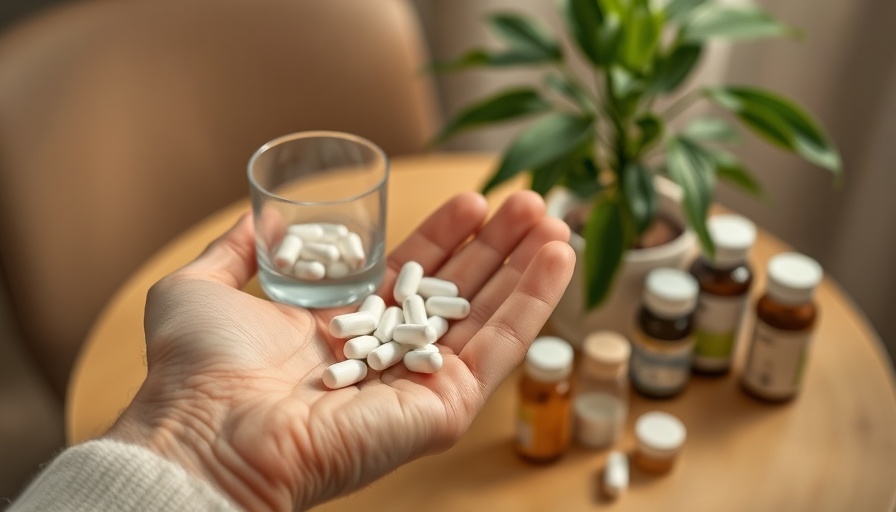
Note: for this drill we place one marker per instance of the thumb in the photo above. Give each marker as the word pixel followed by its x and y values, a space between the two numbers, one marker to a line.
pixel 230 259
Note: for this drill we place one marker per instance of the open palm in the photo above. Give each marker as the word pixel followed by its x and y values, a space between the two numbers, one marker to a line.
pixel 234 387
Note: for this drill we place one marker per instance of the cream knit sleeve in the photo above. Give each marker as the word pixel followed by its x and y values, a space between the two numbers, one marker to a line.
pixel 110 475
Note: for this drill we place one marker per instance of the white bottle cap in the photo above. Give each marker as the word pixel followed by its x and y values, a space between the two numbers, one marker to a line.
pixel 733 237
pixel 792 278
pixel 659 434
pixel 670 293
pixel 606 354
pixel 549 359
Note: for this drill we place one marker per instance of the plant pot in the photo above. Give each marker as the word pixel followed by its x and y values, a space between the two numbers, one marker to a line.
pixel 570 319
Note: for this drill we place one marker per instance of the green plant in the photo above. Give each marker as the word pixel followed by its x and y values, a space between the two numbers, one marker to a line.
pixel 602 136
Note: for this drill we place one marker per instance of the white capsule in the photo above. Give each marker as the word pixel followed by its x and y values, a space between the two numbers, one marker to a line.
pixel 346 373
pixel 287 253
pixel 338 270
pixel 434 287
pixel 616 474
pixel 414 335
pixel 307 232
pixel 423 361
pixel 360 347
pixel 439 325
pixel 352 249
pixel 309 270
pixel 392 317
pixel 333 231
pixel 414 310
pixel 448 307
pixel 317 251
pixel 352 324
pixel 386 355
pixel 407 281
pixel 374 305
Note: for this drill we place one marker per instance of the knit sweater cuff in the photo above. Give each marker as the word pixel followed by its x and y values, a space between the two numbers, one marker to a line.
pixel 111 475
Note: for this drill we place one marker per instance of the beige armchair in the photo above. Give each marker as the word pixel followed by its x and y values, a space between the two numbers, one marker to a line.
pixel 123 122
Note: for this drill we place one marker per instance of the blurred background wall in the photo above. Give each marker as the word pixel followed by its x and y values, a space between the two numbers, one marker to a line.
pixel 843 71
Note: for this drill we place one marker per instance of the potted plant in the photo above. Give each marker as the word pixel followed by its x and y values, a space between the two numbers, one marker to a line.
pixel 606 155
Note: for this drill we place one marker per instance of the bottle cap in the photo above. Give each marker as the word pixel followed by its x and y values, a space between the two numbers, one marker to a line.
pixel 733 237
pixel 670 293
pixel 659 433
pixel 549 359
pixel 606 354
pixel 792 278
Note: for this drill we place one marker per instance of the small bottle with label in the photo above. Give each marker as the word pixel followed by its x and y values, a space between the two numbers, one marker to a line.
pixel 544 419
pixel 601 392
pixel 663 345
pixel 725 281
pixel 785 318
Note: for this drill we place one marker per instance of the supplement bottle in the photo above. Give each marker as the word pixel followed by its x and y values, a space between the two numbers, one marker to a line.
pixel 663 344
pixel 724 281
pixel 543 426
pixel 600 403
pixel 785 317
pixel 660 437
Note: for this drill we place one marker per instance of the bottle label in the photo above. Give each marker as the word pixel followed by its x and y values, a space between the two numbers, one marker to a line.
pixel 600 418
pixel 775 365
pixel 658 368
pixel 718 323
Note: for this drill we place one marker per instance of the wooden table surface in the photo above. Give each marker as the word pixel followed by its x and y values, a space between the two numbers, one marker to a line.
pixel 833 448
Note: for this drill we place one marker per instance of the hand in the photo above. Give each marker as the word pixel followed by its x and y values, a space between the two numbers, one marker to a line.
pixel 234 392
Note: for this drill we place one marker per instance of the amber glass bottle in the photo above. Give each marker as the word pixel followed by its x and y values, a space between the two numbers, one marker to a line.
pixel 544 422
pixel 725 280
pixel 785 318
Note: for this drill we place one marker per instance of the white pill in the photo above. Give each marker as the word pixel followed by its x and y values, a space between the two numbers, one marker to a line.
pixel 423 361
pixel 352 324
pixel 414 310
pixel 309 270
pixel 287 253
pixel 307 232
pixel 448 307
pixel 338 270
pixel 317 251
pixel 360 347
pixel 346 373
pixel 333 231
pixel 438 324
pixel 434 287
pixel 352 250
pixel 374 305
pixel 408 280
pixel 386 355
pixel 616 474
pixel 414 335
pixel 392 317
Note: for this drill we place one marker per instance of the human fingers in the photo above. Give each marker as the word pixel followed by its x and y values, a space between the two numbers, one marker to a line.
pixel 503 341
pixel 230 259
pixel 502 283
pixel 437 237
pixel 472 266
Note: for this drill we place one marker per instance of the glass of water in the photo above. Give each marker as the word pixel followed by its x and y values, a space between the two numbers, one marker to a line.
pixel 319 205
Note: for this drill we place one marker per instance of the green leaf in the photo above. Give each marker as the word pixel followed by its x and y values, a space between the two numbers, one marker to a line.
pixel 688 166
pixel 779 121
pixel 571 91
pixel 640 194
pixel 711 129
pixel 606 240
pixel 544 142
pixel 672 70
pixel 641 35
pixel 501 107
pixel 524 36
pixel 627 90
pixel 482 58
pixel 679 10
pixel 585 18
pixel 734 22
pixel 730 169
pixel 582 176
pixel 651 127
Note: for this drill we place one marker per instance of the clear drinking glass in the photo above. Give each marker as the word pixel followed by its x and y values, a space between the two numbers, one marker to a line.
pixel 324 178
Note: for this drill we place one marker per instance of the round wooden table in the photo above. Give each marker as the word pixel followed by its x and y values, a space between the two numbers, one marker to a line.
pixel 833 448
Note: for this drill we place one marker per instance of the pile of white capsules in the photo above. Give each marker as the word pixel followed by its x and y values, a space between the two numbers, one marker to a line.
pixel 381 337
pixel 314 251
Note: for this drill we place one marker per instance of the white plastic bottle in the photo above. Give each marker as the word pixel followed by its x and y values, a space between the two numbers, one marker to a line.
pixel 600 404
